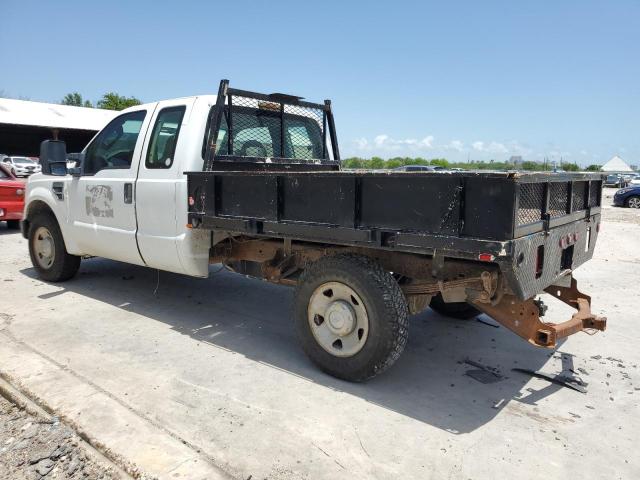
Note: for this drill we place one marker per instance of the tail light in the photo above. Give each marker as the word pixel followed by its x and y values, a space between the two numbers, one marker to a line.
pixel 539 261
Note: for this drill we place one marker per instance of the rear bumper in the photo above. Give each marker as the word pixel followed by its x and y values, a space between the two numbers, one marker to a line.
pixel 11 210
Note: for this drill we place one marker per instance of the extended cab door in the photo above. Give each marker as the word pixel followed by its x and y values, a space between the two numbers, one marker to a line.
pixel 102 200
pixel 161 168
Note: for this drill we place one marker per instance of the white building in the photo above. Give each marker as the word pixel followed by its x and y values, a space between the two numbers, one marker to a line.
pixel 24 124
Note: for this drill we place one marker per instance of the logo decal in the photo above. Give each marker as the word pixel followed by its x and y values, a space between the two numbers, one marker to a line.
pixel 98 201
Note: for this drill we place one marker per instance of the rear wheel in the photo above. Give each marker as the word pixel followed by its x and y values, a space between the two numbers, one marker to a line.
pixel 13 224
pixel 47 250
pixel 350 316
pixel 459 310
pixel 633 202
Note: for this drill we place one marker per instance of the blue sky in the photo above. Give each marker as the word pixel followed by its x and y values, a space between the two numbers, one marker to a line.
pixel 471 79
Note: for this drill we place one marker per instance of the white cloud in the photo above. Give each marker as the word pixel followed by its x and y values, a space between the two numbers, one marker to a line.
pixel 362 143
pixel 491 147
pixel 385 145
pixel 478 146
pixel 384 142
pixel 456 145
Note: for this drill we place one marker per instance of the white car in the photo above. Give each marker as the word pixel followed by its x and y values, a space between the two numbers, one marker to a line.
pixel 22 166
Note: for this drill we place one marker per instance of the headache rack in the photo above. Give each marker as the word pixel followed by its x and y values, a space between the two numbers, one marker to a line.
pixel 280 126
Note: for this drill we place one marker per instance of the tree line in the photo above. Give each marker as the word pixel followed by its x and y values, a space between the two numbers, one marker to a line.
pixel 378 163
pixel 109 101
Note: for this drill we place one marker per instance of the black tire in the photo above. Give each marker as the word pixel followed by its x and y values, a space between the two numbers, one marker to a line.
pixel 386 309
pixel 64 266
pixel 13 224
pixel 457 310
pixel 631 201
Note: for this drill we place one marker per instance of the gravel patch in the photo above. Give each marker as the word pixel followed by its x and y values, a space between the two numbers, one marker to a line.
pixel 33 447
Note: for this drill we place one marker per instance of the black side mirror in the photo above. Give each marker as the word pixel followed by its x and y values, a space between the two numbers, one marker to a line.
pixel 53 157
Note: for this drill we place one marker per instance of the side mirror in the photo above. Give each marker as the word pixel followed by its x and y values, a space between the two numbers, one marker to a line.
pixel 53 157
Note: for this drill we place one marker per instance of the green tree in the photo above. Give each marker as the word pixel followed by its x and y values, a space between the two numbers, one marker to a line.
pixel 75 99
pixel 593 168
pixel 570 167
pixel 113 101
pixel 440 162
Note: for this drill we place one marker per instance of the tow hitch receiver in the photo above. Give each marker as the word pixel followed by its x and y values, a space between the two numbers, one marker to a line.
pixel 523 317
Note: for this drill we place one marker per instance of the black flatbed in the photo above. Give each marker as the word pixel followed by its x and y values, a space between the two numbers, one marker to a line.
pixel 462 214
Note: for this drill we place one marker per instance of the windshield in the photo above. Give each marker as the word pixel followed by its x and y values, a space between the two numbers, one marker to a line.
pixel 23 160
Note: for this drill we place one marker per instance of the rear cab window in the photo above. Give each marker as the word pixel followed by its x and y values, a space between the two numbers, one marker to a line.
pixel 256 133
pixel 164 137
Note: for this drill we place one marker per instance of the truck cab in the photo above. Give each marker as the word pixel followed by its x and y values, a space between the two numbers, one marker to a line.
pixel 125 201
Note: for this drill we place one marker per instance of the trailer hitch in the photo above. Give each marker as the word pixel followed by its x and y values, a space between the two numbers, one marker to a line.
pixel 524 317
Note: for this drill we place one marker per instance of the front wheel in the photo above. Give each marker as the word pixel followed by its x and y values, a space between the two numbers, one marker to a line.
pixel 351 316
pixel 633 202
pixel 47 250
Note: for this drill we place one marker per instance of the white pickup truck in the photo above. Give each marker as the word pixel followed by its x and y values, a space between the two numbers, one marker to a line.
pixel 254 182
pixel 127 202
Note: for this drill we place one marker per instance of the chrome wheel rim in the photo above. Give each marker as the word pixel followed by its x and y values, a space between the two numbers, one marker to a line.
pixel 634 202
pixel 44 247
pixel 338 319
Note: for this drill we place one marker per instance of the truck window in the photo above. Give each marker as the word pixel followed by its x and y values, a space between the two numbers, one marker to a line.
pixel 164 137
pixel 256 133
pixel 114 145
pixel 302 140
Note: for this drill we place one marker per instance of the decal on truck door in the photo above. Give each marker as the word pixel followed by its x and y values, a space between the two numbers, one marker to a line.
pixel 98 201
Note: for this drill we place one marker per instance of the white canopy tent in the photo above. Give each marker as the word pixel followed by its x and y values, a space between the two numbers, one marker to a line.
pixel 616 164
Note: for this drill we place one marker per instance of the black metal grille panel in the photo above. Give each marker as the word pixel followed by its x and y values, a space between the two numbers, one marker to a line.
pixel 594 194
pixel 530 203
pixel 579 196
pixel 558 199
pixel 259 127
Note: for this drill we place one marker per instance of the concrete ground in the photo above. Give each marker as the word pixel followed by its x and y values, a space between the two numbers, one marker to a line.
pixel 204 379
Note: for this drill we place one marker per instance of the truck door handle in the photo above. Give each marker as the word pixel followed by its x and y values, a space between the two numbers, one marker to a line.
pixel 128 193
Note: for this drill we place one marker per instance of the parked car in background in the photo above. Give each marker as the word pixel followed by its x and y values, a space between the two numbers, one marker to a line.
pixel 614 180
pixel 628 197
pixel 22 166
pixel 635 180
pixel 415 168
pixel 11 197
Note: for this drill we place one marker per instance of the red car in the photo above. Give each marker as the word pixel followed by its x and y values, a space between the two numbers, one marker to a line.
pixel 11 198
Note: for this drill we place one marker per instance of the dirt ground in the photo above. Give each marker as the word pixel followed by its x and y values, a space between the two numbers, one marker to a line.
pixel 190 378
pixel 34 446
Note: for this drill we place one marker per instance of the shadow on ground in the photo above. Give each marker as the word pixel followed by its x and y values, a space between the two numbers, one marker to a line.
pixel 5 230
pixel 252 318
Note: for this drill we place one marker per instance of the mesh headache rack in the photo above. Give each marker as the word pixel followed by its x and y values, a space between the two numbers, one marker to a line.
pixel 249 128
